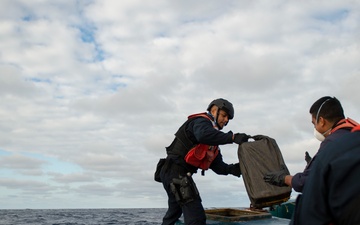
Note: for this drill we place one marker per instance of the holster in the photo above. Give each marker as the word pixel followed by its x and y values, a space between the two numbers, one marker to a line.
pixel 184 189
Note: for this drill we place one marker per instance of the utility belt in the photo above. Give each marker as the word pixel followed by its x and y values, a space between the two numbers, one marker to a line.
pixel 183 187
pixel 171 162
pixel 177 163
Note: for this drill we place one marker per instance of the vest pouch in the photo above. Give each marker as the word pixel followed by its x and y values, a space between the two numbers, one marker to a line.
pixel 159 166
pixel 201 156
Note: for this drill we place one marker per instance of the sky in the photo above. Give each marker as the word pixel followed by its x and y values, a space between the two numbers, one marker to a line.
pixel 93 91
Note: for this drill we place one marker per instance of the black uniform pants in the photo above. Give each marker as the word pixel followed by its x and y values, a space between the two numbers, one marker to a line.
pixel 193 210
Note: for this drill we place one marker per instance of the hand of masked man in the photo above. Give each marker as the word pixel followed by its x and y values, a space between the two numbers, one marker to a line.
pixel 234 169
pixel 240 138
pixel 277 178
pixel 307 157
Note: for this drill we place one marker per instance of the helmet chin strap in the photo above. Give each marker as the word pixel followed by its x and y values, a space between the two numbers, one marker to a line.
pixel 216 119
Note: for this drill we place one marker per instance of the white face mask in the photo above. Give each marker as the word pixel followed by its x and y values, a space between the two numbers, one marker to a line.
pixel 320 136
pixel 317 134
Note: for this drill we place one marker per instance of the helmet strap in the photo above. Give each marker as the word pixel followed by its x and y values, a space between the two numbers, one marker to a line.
pixel 217 117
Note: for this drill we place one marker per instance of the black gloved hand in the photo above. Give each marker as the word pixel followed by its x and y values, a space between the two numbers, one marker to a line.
pixel 234 169
pixel 277 178
pixel 307 157
pixel 239 138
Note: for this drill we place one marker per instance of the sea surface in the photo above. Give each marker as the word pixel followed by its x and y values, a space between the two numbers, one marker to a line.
pixel 140 216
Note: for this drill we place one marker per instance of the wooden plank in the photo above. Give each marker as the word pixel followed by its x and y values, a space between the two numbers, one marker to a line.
pixel 231 214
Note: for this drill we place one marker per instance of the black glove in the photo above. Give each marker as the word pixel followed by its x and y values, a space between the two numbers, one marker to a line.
pixel 277 178
pixel 234 169
pixel 307 157
pixel 239 138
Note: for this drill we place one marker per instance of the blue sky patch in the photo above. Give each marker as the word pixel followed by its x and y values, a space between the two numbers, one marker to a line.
pixel 55 165
pixel 40 80
pixel 28 18
pixel 332 16
pixel 87 34
pixel 3 152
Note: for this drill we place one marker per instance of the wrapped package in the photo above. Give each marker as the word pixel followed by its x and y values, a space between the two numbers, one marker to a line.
pixel 257 158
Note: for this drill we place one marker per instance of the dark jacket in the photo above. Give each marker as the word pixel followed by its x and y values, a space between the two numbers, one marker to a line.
pixel 332 190
pixel 194 131
pixel 299 179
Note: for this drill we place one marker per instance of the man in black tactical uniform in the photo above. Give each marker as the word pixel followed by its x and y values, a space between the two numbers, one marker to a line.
pixel 196 146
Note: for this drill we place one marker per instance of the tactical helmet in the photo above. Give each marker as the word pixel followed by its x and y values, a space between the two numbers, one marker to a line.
pixel 223 104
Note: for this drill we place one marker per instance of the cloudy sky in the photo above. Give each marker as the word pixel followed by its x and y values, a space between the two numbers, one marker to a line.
pixel 92 92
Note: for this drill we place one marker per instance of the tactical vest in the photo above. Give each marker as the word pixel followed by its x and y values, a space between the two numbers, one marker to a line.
pixel 182 144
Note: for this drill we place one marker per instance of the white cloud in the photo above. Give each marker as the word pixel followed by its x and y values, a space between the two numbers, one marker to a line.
pixel 22 164
pixel 93 91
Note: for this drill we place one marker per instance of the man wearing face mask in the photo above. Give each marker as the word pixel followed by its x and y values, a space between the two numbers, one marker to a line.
pixel 329 121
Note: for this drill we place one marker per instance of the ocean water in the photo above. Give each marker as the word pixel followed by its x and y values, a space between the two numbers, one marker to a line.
pixel 141 216
pixel 81 216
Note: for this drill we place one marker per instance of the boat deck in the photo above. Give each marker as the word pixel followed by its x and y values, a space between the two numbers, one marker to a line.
pixel 240 216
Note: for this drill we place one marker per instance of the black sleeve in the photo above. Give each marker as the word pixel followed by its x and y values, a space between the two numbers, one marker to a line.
pixel 219 166
pixel 203 131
